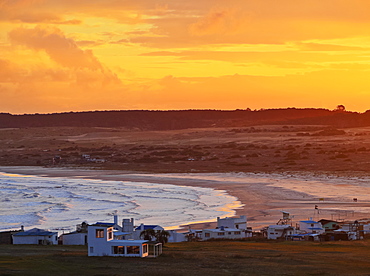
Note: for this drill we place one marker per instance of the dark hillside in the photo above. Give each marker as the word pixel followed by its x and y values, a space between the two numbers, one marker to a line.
pixel 182 119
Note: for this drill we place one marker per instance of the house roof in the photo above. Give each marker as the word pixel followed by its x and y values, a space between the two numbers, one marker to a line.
pixel 325 221
pixel 278 226
pixel 223 230
pixel 107 224
pixel 127 242
pixel 146 227
pixel 308 221
pixel 35 232
pixel 119 233
pixel 74 233
pixel 316 228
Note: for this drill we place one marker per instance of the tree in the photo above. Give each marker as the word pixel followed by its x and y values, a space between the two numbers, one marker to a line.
pixel 341 108
pixel 148 234
pixel 162 236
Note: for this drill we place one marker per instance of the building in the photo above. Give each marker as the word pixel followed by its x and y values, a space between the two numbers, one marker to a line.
pixel 278 231
pixel 36 236
pixel 6 237
pixel 222 233
pixel 136 234
pixel 329 225
pixel 102 242
pixel 227 228
pixel 311 226
pixel 237 223
pixel 78 237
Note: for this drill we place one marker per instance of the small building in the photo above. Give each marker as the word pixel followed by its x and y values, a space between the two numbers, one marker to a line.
pixel 311 226
pixel 278 231
pixel 74 238
pixel 329 225
pixel 78 237
pixel 176 236
pixel 237 223
pixel 222 233
pixel 36 236
pixel 6 237
pixel 101 242
pixel 142 227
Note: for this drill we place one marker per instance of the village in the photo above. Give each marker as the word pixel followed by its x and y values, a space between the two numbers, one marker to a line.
pixel 128 240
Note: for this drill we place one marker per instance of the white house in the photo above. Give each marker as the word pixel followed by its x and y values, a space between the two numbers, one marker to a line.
pixel 222 233
pixel 101 242
pixel 142 227
pixel 78 237
pixel 237 223
pixel 227 228
pixel 176 237
pixel 279 231
pixel 36 236
pixel 311 226
pixel 74 238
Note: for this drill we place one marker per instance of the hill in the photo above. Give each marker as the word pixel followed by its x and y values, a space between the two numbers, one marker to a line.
pixel 183 119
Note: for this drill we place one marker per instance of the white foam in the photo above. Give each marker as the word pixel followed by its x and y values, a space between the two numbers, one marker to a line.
pixel 61 203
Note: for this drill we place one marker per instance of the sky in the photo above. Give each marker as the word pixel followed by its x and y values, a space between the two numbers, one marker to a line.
pixel 61 56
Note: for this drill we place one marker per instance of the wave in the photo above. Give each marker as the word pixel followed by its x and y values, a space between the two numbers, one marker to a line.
pixel 60 202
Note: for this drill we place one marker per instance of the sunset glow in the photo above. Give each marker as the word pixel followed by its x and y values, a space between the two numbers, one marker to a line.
pixel 59 56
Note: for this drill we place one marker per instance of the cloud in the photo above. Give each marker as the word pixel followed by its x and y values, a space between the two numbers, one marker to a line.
pixel 219 21
pixel 61 49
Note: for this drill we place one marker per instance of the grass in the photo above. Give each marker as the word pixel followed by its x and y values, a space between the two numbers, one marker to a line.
pixel 198 258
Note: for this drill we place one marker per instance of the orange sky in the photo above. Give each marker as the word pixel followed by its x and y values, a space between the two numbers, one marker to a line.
pixel 58 56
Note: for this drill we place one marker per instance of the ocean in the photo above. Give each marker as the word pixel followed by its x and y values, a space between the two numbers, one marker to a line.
pixel 60 203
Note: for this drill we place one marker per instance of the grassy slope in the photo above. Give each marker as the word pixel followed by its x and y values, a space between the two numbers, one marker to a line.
pixel 202 258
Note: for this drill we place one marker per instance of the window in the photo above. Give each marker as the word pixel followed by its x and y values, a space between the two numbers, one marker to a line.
pixel 237 233
pixel 99 233
pixel 118 249
pixel 110 234
pixel 133 249
pixel 207 235
pixel 229 233
pixel 145 248
pixel 91 249
pixel 221 233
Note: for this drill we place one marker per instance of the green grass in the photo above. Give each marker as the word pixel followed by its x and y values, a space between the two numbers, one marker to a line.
pixel 198 258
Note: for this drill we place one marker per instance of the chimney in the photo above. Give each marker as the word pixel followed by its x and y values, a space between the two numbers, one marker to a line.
pixel 115 217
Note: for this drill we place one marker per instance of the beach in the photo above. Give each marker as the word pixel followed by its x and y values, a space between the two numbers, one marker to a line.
pixel 262 196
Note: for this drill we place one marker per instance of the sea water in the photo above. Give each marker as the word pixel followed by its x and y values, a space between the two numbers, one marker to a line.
pixel 60 203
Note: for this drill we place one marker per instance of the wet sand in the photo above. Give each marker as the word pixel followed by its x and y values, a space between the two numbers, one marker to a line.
pixel 263 196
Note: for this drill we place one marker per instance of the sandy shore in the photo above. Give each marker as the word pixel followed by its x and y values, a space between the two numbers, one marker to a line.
pixel 263 196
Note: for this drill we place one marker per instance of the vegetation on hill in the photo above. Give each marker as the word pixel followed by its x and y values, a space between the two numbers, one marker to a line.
pixel 182 119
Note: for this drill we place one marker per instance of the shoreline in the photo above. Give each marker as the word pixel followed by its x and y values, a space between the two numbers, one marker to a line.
pixel 262 201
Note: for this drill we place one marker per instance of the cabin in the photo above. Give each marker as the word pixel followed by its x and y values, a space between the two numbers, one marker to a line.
pixel 329 225
pixel 6 237
pixel 103 242
pixel 36 236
